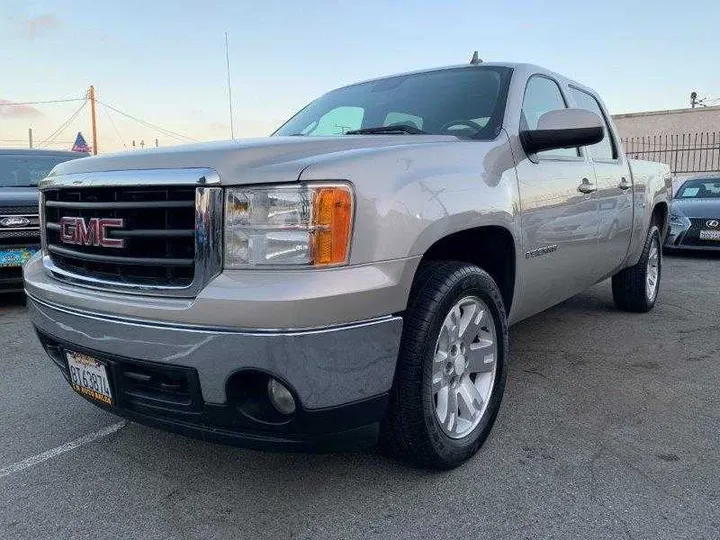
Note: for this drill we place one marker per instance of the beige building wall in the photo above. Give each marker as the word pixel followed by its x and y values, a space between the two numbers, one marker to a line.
pixel 672 122
pixel 687 140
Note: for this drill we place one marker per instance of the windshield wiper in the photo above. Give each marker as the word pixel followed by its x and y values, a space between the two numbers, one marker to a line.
pixel 395 128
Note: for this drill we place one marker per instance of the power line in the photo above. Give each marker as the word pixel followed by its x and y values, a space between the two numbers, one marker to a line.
pixel 63 126
pixel 15 104
pixel 164 131
pixel 112 122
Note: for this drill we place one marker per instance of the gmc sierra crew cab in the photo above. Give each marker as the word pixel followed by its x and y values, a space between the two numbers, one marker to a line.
pixel 351 278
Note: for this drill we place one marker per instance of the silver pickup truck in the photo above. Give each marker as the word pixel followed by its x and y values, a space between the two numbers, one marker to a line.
pixel 350 279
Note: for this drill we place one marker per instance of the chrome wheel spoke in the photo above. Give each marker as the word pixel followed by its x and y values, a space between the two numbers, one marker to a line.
pixel 652 272
pixel 471 399
pixel 481 356
pixel 452 411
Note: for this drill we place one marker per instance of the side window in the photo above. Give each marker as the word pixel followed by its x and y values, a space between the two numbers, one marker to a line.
pixel 605 149
pixel 337 121
pixel 403 118
pixel 543 95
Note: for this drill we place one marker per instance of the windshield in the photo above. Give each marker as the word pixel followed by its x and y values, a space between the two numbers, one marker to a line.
pixel 700 189
pixel 27 170
pixel 466 102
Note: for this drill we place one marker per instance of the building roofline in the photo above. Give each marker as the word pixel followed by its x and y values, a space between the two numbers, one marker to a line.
pixel 666 111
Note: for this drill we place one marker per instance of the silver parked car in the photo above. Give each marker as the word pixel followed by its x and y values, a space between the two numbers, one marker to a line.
pixel 351 278
pixel 695 215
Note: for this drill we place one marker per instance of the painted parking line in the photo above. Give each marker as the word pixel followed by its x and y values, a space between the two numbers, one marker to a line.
pixel 54 452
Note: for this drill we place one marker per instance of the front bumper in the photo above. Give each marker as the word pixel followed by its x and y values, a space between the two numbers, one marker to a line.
pixel 687 237
pixel 339 375
pixel 11 279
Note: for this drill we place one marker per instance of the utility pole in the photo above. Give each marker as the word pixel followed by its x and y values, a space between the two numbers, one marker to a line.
pixel 93 119
pixel 30 136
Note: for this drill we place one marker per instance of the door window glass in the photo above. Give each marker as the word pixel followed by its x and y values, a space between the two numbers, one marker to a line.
pixel 543 95
pixel 605 149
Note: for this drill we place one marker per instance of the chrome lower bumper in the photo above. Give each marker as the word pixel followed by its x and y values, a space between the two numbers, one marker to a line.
pixel 325 367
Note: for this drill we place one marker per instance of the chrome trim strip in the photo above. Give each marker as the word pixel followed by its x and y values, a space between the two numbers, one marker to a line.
pixel 200 176
pixel 208 225
pixel 213 330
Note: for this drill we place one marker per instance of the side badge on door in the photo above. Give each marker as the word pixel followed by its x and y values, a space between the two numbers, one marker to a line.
pixel 541 251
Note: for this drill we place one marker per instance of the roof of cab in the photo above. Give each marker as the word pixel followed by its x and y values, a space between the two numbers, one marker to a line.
pixel 515 66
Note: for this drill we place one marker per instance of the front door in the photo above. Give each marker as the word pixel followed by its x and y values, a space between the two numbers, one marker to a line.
pixel 559 211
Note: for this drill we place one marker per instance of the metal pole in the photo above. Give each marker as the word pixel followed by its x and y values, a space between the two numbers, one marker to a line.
pixel 30 136
pixel 93 120
pixel 227 62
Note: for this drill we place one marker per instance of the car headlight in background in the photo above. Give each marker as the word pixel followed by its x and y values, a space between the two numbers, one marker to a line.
pixel 298 224
pixel 677 219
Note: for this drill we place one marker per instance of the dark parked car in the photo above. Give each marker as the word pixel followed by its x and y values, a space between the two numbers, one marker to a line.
pixel 20 171
pixel 695 215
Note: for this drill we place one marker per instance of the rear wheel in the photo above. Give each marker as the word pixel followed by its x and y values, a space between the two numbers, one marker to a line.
pixel 451 369
pixel 636 288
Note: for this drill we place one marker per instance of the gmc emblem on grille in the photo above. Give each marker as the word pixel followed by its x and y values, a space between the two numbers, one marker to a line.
pixel 74 230
pixel 712 223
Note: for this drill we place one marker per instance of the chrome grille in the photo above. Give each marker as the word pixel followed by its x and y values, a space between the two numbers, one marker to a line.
pixel 692 236
pixel 158 233
pixel 165 237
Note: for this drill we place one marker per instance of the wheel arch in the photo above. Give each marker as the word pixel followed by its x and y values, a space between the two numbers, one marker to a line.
pixel 491 247
pixel 660 217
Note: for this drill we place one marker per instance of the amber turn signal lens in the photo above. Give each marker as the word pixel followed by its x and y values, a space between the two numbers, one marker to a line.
pixel 332 223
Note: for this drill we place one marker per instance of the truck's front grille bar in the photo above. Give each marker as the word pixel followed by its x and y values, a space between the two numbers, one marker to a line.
pixel 155 205
pixel 164 238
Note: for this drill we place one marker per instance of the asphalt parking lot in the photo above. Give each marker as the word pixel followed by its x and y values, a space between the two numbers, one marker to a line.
pixel 610 428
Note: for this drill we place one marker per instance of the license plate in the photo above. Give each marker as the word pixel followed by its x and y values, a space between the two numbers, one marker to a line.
pixel 710 235
pixel 88 376
pixel 15 257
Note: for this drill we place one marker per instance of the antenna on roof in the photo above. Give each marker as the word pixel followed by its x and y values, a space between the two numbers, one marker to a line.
pixel 475 59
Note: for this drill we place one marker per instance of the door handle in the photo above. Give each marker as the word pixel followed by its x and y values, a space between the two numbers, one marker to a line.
pixel 586 187
pixel 624 184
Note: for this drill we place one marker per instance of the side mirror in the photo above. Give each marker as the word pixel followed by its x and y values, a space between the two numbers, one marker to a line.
pixel 563 128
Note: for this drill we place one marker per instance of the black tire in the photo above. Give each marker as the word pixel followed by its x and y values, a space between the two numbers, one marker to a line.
pixel 410 430
pixel 629 285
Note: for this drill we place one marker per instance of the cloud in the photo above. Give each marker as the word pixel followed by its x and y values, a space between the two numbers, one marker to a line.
pixel 9 109
pixel 35 27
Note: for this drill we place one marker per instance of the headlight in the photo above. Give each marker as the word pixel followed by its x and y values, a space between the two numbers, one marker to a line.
pixel 303 224
pixel 676 218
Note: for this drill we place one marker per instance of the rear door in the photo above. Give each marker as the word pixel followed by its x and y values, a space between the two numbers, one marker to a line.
pixel 614 190
pixel 559 210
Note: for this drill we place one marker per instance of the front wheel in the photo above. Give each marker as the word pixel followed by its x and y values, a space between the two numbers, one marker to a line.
pixel 451 369
pixel 636 288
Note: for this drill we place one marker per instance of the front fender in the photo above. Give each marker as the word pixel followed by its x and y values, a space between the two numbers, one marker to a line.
pixel 409 197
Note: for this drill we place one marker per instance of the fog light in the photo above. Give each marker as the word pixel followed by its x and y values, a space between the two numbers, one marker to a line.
pixel 280 397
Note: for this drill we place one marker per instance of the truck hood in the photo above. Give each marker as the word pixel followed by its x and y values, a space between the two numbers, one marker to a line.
pixel 698 208
pixel 269 159
pixel 18 196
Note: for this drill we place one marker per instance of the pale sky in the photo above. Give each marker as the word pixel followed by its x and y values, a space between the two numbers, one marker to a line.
pixel 164 61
